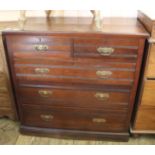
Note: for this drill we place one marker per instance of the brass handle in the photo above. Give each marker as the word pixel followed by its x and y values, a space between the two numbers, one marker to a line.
pixel 104 74
pixel 102 96
pixel 41 47
pixel 45 93
pixel 41 70
pixel 99 120
pixel 46 117
pixel 105 51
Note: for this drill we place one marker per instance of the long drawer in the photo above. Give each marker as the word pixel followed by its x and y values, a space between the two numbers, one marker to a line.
pixel 48 80
pixel 79 71
pixel 63 97
pixel 106 73
pixel 78 119
pixel 74 72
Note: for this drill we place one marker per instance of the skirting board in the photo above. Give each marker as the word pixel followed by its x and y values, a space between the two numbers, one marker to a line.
pixel 74 134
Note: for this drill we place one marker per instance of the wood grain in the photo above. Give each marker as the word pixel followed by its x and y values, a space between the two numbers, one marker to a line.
pixel 82 71
pixel 74 98
pixel 68 118
pixel 150 73
pixel 80 25
pixel 143 120
pixel 7 107
pixel 85 118
pixel 145 20
pixel 148 97
pixel 148 21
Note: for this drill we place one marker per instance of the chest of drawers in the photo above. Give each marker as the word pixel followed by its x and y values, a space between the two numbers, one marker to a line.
pixel 7 108
pixel 144 118
pixel 71 79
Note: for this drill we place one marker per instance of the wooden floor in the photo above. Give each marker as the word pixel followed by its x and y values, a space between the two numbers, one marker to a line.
pixel 9 135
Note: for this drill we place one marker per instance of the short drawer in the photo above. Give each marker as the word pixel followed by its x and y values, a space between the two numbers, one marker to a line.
pixel 79 119
pixel 145 119
pixel 39 46
pixel 87 98
pixel 151 63
pixel 110 48
pixel 148 97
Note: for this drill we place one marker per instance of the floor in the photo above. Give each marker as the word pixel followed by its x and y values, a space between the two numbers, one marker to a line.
pixel 9 135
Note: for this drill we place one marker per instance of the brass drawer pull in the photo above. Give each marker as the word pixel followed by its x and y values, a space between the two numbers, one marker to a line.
pixel 104 74
pixel 102 96
pixel 45 93
pixel 105 51
pixel 99 120
pixel 42 70
pixel 46 117
pixel 41 47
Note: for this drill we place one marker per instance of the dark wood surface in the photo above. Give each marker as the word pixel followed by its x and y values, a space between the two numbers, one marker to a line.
pixel 74 94
pixel 74 98
pixel 80 25
pixel 69 118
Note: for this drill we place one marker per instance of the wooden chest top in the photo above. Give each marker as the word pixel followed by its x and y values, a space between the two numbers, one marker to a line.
pixel 147 18
pixel 119 26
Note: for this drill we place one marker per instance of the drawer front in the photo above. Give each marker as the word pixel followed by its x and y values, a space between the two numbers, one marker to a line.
pixel 79 119
pixel 145 119
pixel 148 97
pixel 79 71
pixel 82 74
pixel 151 63
pixel 89 62
pixel 106 48
pixel 48 80
pixel 75 71
pixel 39 46
pixel 74 97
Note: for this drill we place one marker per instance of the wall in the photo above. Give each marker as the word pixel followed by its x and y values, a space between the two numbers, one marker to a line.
pixel 126 8
pixel 14 15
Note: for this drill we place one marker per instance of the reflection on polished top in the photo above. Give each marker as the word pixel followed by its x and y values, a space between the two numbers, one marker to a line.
pixel 129 26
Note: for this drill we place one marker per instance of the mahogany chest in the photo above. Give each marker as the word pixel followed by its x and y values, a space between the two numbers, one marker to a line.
pixel 73 79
